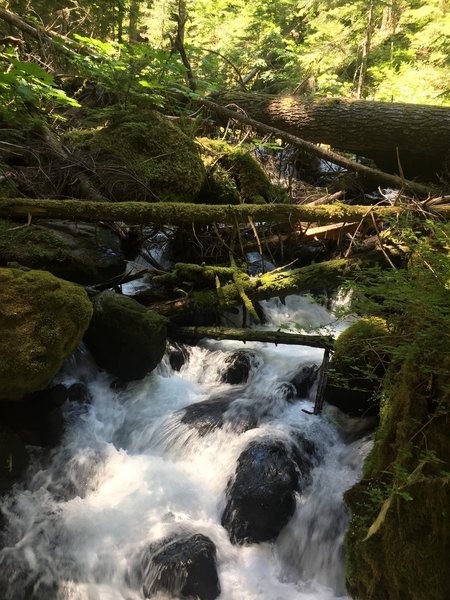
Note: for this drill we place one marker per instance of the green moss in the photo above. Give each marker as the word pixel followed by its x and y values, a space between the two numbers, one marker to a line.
pixel 408 468
pixel 125 338
pixel 361 350
pixel 86 254
pixel 42 319
pixel 234 176
pixel 141 157
pixel 31 246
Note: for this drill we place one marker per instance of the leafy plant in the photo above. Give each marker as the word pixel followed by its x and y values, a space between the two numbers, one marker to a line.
pixel 24 83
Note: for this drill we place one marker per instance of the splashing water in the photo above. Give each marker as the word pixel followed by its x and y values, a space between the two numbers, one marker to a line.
pixel 130 472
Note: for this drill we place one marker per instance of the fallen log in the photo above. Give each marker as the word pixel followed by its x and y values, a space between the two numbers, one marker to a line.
pixel 178 213
pixel 317 277
pixel 374 176
pixel 373 129
pixel 250 335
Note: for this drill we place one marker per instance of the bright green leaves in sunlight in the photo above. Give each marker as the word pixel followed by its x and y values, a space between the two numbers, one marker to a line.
pixel 27 82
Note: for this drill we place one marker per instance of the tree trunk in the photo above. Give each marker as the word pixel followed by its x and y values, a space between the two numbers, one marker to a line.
pixel 133 22
pixel 180 213
pixel 373 129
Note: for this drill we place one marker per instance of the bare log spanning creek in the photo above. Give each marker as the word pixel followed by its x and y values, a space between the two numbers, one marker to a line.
pixel 167 466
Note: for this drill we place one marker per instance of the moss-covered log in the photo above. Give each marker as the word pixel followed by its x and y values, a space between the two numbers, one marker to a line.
pixel 316 278
pixel 173 213
pixel 250 335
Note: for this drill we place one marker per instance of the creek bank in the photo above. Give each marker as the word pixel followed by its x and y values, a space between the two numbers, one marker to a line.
pixel 103 156
pixel 80 252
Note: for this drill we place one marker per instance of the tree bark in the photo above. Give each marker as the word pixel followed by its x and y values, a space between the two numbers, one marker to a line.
pixel 363 127
pixel 180 213
pixel 250 335
pixel 374 176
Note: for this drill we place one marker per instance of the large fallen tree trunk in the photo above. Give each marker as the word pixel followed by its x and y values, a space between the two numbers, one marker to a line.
pixel 373 176
pixel 178 213
pixel 375 129
pixel 250 335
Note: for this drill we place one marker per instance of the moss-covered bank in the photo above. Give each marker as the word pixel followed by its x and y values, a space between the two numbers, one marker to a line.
pixel 398 542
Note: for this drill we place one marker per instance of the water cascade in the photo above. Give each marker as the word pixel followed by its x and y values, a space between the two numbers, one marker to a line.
pixel 134 469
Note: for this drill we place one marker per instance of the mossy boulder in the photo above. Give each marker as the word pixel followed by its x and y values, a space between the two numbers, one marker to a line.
pixel 83 252
pixel 357 367
pixel 42 320
pixel 235 176
pixel 140 156
pixel 125 338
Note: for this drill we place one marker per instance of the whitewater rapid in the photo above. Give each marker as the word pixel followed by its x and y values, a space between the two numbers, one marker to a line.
pixel 128 472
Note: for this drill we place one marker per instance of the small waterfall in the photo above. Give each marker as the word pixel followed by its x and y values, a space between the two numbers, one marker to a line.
pixel 131 471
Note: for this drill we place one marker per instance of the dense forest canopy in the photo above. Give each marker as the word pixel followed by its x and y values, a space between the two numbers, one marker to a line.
pixel 395 50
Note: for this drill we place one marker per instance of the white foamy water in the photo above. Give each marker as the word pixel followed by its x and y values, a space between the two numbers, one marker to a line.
pixel 129 472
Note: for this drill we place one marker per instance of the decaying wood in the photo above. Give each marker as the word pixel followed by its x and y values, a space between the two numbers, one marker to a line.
pixel 373 175
pixel 360 126
pixel 250 335
pixel 179 213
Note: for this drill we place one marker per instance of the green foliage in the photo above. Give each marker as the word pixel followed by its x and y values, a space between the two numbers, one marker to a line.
pixel 25 83
pixel 131 71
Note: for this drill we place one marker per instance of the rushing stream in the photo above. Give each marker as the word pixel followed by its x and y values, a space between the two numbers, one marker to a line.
pixel 130 472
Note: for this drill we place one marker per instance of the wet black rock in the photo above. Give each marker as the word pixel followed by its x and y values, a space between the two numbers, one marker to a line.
pixel 182 566
pixel 178 355
pixel 239 366
pixel 37 418
pixel 261 495
pixel 13 459
pixel 304 380
pixel 79 393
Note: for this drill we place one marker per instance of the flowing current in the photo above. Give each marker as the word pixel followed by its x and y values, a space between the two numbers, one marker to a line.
pixel 129 472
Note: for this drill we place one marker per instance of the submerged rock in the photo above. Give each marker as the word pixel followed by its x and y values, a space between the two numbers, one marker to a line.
pixel 183 566
pixel 261 495
pixel 304 380
pixel 42 320
pixel 125 338
pixel 215 413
